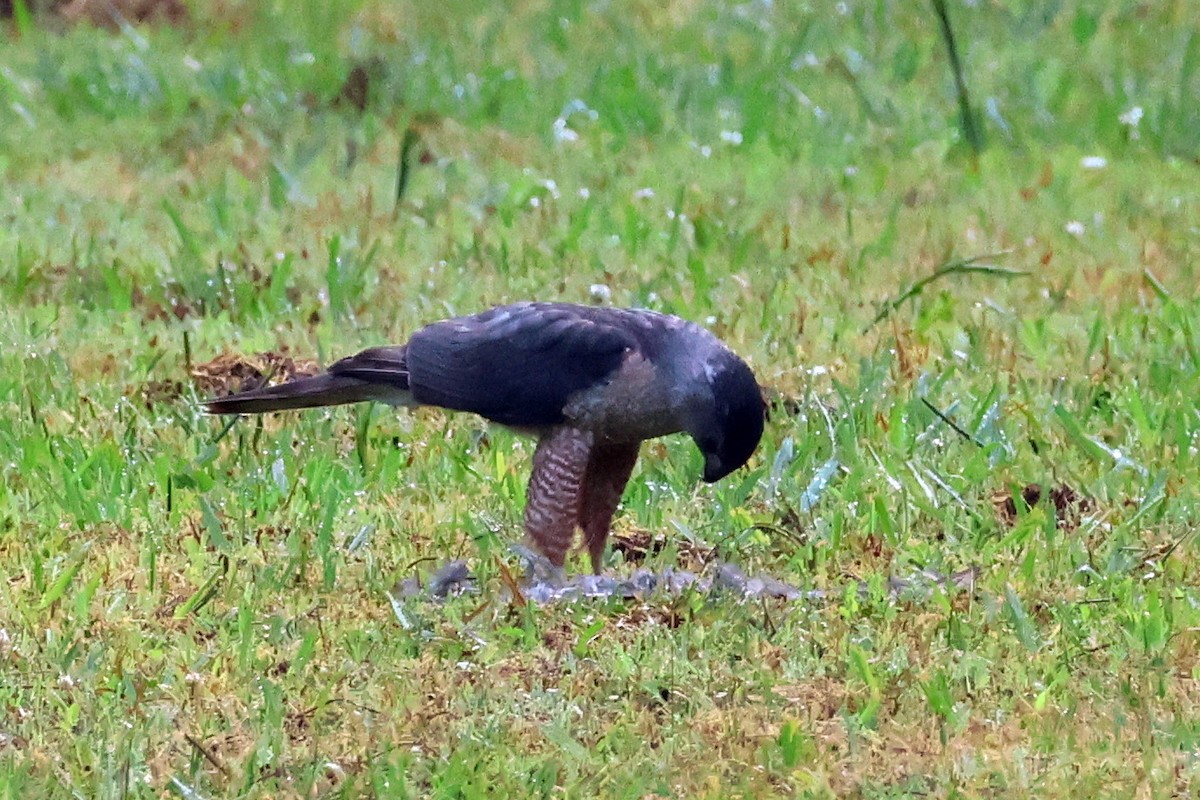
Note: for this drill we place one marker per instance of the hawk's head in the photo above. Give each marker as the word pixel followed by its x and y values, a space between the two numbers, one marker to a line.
pixel 729 430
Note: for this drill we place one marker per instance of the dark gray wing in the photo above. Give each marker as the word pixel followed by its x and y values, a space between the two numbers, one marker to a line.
pixel 518 364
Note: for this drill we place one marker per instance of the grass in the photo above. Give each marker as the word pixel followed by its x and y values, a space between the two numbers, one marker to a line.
pixel 186 613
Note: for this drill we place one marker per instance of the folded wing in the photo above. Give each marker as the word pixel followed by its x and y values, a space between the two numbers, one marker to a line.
pixel 516 365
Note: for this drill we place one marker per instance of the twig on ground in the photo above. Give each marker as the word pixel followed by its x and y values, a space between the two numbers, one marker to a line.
pixel 959 266
pixel 209 756
pixel 937 412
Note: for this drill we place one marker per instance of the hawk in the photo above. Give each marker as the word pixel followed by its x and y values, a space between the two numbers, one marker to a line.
pixel 591 383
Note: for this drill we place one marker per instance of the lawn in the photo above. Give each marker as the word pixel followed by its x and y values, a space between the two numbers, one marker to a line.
pixel 981 349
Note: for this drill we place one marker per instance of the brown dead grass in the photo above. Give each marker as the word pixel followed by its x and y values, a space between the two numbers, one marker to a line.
pixel 638 544
pixel 1067 504
pixel 111 13
pixel 235 372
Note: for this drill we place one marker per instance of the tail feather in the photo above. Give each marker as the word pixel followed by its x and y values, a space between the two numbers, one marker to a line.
pixel 320 390
pixel 378 373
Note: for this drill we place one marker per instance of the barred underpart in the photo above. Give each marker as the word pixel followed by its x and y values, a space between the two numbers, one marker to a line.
pixel 604 482
pixel 552 505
